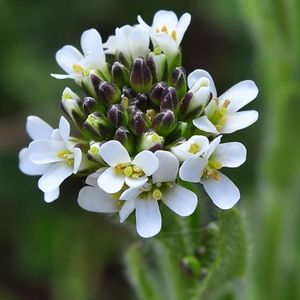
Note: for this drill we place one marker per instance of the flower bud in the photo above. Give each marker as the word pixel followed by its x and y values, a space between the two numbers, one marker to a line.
pixel 89 105
pixel 157 63
pixel 71 104
pixel 139 122
pixel 150 140
pixel 169 101
pixel 182 130
pixel 164 122
pixel 93 153
pixel 117 115
pixel 187 108
pixel 141 101
pixel 119 74
pixel 178 80
pixel 124 136
pixel 158 91
pixel 97 125
pixel 140 76
pixel 108 93
pixel 90 82
pixel 191 266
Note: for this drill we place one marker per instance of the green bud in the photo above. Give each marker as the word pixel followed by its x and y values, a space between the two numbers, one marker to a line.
pixel 139 122
pixel 182 130
pixel 178 81
pixel 157 93
pixel 108 93
pixel 191 266
pixel 150 140
pixel 93 153
pixel 97 125
pixel 117 115
pixel 164 122
pixel 157 63
pixel 140 76
pixel 119 74
pixel 124 136
pixel 71 104
pixel 169 101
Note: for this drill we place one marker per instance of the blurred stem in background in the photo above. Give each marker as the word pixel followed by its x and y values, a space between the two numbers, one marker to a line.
pixel 275 26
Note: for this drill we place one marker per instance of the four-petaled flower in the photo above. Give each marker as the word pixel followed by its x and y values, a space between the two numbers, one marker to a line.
pixel 222 115
pixel 205 170
pixel 124 170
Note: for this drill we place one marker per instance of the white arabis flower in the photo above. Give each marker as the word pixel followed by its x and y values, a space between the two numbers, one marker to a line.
pixel 75 64
pixel 55 154
pixel 194 147
pixel 222 115
pixel 145 199
pixel 124 170
pixel 220 188
pixel 167 31
pixel 130 41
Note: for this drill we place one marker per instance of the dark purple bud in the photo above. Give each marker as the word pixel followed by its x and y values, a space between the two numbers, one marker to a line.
pixel 170 100
pixel 124 136
pixel 139 122
pixel 117 115
pixel 108 93
pixel 164 122
pixel 158 92
pixel 178 81
pixel 119 74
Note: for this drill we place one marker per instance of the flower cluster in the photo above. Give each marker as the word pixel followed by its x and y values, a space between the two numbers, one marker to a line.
pixel 145 126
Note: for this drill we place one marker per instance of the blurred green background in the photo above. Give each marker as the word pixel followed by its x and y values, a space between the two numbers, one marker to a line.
pixel 58 251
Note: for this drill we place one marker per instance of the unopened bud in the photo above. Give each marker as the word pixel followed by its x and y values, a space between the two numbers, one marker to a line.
pixel 164 122
pixel 178 80
pixel 170 100
pixel 72 106
pixel 117 115
pixel 108 93
pixel 158 92
pixel 90 82
pixel 140 76
pixel 150 140
pixel 90 105
pixel 191 266
pixel 124 136
pixel 139 122
pixel 140 101
pixel 93 153
pixel 98 126
pixel 182 130
pixel 157 63
pixel 187 109
pixel 120 74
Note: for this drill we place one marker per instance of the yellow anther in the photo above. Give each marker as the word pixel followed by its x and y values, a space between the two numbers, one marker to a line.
pixel 226 103
pixel 128 171
pixel 77 68
pixel 67 156
pixel 157 194
pixel 164 29
pixel 94 150
pixel 216 176
pixel 155 138
pixel 173 35
pixel 194 148
pixel 215 164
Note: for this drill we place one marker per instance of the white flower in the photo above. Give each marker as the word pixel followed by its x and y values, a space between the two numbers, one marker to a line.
pixel 221 114
pixel 131 41
pixel 144 199
pixel 124 170
pixel 167 31
pixel 54 154
pixel 220 188
pixel 75 64
pixel 194 147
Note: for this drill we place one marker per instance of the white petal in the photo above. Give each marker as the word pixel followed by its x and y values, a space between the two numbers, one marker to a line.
pixel 136 182
pixel 131 193
pixel 95 60
pixel 110 182
pixel 96 200
pixel 147 161
pixel 231 155
pixel 38 129
pixel 148 218
pixel 239 120
pixel 194 77
pixel 192 169
pixel 64 128
pixel 201 141
pixel 52 195
pixel 138 40
pixel 181 200
pixel 239 95
pixel 182 26
pixel 127 208
pixel 28 167
pixel 45 151
pixel 75 77
pixel 77 159
pixel 166 44
pixel 66 57
pixel 92 178
pixel 165 18
pixel 205 125
pixel 113 153
pixel 168 167
pixel 212 147
pixel 223 192
pixel 54 176
pixel 91 41
pixel 143 23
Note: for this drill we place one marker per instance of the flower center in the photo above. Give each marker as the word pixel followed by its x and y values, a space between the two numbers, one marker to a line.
pixel 164 29
pixel 77 68
pixel 194 148
pixel 156 190
pixel 67 155
pixel 219 115
pixel 129 170
pixel 211 170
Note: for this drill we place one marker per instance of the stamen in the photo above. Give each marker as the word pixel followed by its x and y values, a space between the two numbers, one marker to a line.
pixel 174 35
pixel 128 171
pixel 77 68
pixel 157 194
pixel 194 148
pixel 164 29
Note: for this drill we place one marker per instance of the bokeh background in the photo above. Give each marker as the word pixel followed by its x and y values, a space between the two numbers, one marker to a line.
pixel 58 251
